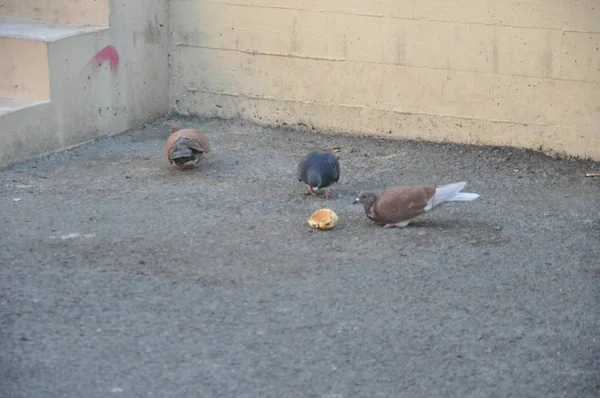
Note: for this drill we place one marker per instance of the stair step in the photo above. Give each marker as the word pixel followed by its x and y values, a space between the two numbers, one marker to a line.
pixel 32 29
pixel 28 128
pixel 82 12
pixel 24 65
pixel 10 104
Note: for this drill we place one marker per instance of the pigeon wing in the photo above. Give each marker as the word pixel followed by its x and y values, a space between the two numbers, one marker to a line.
pixel 336 169
pixel 402 203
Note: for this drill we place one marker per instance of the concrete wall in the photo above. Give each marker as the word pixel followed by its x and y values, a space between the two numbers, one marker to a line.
pixel 106 101
pixel 87 99
pixel 83 12
pixel 515 72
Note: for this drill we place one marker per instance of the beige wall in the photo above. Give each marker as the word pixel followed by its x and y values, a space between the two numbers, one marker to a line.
pixel 514 72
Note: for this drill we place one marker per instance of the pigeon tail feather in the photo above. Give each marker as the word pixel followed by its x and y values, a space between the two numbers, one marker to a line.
pixel 450 193
pixel 462 197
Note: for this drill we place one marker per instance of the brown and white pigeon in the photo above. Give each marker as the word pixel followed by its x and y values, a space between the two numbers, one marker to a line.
pixel 398 206
pixel 185 147
pixel 319 170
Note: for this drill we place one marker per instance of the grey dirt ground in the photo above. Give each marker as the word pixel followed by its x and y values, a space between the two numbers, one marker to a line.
pixel 123 277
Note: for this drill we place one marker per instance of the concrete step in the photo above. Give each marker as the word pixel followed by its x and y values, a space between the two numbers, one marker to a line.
pixel 8 105
pixel 46 79
pixel 94 81
pixel 78 12
pixel 24 129
pixel 33 29
pixel 24 67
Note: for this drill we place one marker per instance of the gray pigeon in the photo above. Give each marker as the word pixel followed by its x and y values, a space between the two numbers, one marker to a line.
pixel 397 207
pixel 319 170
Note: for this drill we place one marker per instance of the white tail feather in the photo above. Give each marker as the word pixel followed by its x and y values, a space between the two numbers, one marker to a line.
pixel 450 193
pixel 462 196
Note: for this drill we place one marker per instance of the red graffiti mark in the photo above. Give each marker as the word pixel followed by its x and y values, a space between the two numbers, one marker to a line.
pixel 108 53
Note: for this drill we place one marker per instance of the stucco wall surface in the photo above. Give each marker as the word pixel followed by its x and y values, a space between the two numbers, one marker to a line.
pixel 517 72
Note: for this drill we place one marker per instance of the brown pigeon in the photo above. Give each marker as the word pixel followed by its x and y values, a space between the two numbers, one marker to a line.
pixel 185 147
pixel 397 207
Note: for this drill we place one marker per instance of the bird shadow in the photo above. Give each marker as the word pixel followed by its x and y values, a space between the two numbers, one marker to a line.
pixel 450 224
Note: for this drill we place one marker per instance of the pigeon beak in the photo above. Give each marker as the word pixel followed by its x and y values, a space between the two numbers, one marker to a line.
pixel 356 201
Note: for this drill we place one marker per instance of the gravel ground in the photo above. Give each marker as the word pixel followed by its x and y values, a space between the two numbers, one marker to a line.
pixel 122 276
